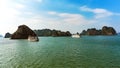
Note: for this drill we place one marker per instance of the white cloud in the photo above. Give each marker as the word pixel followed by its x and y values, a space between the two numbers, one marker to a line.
pixel 39 0
pixel 99 12
pixel 75 19
pixel 52 13
pixel 7 13
pixel 19 6
pixel 28 13
pixel 25 1
pixel 34 20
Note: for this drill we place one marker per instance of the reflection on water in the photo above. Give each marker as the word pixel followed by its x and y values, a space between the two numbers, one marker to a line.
pixel 61 52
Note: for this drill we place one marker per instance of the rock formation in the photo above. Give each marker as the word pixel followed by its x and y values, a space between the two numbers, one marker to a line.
pixel 108 31
pixel 23 32
pixel 7 35
pixel 104 31
pixel 54 33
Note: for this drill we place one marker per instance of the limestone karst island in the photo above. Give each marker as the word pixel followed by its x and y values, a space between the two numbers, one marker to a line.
pixel 24 32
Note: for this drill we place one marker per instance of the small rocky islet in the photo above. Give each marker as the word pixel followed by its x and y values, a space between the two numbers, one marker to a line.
pixel 23 32
pixel 7 35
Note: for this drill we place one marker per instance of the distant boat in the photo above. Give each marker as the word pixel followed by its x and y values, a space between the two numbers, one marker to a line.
pixel 75 36
pixel 33 38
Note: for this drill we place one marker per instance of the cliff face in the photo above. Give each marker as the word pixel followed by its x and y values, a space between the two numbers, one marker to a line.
pixel 108 31
pixel 7 35
pixel 23 32
pixel 93 31
pixel 104 31
pixel 54 33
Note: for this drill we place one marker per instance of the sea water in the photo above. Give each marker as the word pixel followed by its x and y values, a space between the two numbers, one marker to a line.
pixel 61 52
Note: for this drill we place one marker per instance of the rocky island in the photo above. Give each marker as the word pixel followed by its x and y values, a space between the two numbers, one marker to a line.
pixel 104 31
pixel 7 35
pixel 54 33
pixel 24 32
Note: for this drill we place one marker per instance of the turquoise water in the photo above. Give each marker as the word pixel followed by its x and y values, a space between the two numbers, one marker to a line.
pixel 61 52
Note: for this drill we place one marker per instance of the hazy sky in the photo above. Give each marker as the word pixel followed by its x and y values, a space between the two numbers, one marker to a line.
pixel 71 15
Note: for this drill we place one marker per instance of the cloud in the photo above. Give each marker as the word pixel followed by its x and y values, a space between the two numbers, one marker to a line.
pixel 35 20
pixel 25 1
pixel 99 12
pixel 19 6
pixel 52 13
pixel 29 13
pixel 75 19
pixel 39 0
pixel 8 14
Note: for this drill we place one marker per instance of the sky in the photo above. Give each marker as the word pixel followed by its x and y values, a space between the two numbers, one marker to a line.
pixel 64 15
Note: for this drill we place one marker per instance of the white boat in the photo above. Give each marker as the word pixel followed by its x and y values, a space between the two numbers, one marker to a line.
pixel 33 38
pixel 76 36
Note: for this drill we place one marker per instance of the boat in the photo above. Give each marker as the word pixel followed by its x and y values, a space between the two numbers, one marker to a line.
pixel 33 38
pixel 75 36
